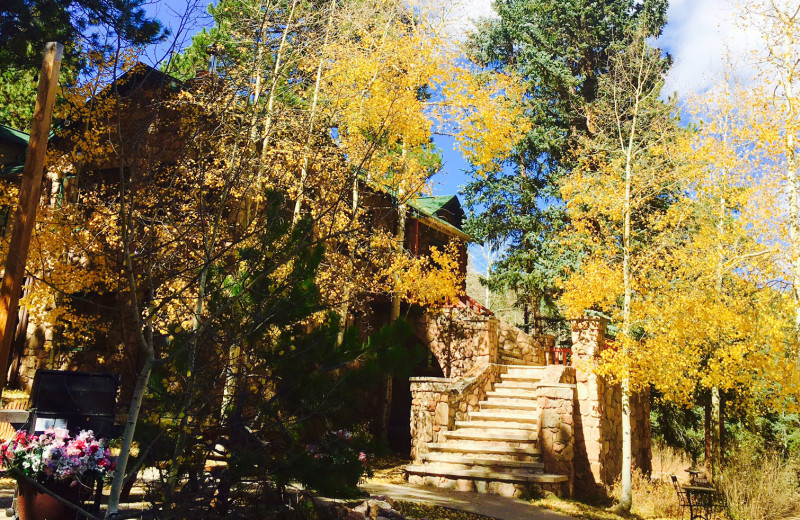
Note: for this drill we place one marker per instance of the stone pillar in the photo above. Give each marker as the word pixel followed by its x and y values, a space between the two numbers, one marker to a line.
pixel 598 415
pixel 594 442
pixel 431 412
pixel 556 399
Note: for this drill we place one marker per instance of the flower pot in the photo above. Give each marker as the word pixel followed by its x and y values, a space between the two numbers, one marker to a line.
pixel 33 504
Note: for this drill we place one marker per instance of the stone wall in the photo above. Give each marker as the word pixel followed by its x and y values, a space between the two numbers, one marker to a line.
pixel 556 398
pixel 598 416
pixel 430 412
pixel 580 426
pixel 465 394
pixel 438 402
pixel 463 342
pixel 516 347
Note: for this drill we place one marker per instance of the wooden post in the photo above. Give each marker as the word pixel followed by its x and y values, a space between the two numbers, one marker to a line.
pixel 29 194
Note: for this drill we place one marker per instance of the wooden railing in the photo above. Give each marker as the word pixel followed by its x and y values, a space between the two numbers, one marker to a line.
pixel 560 356
pixel 465 302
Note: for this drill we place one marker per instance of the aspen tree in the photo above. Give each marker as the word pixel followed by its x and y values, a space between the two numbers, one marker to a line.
pixel 614 200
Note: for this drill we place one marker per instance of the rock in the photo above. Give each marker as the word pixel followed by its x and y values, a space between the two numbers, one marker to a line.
pixel 417 480
pixel 384 498
pixel 341 512
pixel 506 489
pixel 463 484
pixel 550 419
pixel 442 413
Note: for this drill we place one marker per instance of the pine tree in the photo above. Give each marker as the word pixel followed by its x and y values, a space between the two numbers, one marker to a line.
pixel 561 49
pixel 26 25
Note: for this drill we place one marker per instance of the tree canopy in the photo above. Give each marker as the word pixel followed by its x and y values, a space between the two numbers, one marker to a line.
pixel 26 25
pixel 560 50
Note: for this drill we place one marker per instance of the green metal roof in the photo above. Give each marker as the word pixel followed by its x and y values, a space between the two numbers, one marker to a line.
pixel 431 205
pixel 15 136
pixel 12 170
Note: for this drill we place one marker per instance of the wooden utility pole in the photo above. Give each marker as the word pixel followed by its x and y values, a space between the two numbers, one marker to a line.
pixel 29 194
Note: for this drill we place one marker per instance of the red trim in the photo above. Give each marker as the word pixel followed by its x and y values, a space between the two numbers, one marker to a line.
pixel 416 238
pixel 561 356
pixel 465 302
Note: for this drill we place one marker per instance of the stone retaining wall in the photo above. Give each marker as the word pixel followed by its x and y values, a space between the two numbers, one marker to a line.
pixel 430 412
pixel 524 349
pixel 438 402
pixel 462 341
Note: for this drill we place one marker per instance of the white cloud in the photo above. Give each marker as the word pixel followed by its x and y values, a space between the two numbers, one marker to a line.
pixel 460 15
pixel 474 9
pixel 702 35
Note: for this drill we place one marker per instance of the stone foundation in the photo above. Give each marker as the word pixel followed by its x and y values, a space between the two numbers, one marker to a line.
pixel 506 489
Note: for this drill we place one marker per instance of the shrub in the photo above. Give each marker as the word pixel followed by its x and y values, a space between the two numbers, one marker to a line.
pixel 655 497
pixel 760 485
pixel 334 465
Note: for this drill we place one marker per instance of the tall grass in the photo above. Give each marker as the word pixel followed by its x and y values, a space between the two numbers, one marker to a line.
pixel 654 496
pixel 667 461
pixel 760 485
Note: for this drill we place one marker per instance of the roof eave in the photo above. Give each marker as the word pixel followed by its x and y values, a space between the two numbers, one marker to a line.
pixel 444 227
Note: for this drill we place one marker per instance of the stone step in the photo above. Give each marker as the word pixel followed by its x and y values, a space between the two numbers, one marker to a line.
pixel 509 404
pixel 520 377
pixel 513 370
pixel 522 385
pixel 500 415
pixel 466 460
pixel 483 434
pixel 484 473
pixel 499 425
pixel 514 393
pixel 528 450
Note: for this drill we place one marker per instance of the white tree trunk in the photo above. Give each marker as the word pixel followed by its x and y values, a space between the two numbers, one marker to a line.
pixel 626 499
pixel 274 85
pixel 307 147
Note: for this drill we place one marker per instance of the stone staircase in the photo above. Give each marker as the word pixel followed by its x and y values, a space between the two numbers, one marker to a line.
pixel 497 449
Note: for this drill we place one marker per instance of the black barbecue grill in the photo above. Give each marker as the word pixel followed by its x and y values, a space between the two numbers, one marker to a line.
pixel 74 400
